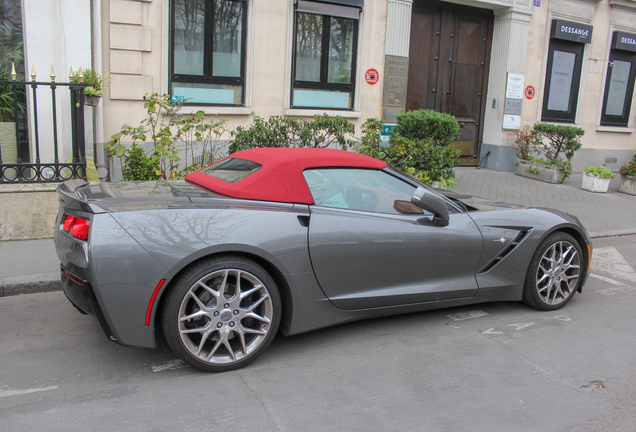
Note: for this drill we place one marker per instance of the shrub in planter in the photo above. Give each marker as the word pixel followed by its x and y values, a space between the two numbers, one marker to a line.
pixel 438 128
pixel 597 179
pixel 628 177
pixel 525 142
pixel 557 144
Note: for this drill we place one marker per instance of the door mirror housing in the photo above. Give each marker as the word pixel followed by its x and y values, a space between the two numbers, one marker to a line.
pixel 427 200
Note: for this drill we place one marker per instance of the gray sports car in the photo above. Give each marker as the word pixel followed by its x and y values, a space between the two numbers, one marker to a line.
pixel 296 239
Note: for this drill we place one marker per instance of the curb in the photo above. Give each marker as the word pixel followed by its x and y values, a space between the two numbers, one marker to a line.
pixel 31 284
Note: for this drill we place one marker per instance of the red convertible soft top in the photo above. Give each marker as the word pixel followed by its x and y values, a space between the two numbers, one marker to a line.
pixel 281 176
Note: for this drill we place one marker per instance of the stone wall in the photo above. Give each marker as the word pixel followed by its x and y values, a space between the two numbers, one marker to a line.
pixel 27 211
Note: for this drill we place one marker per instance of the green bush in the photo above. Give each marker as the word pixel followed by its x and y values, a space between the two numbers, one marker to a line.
pixel 600 172
pixel 369 143
pixel 423 160
pixel 556 142
pixel 322 131
pixel 167 128
pixel 139 165
pixel 438 128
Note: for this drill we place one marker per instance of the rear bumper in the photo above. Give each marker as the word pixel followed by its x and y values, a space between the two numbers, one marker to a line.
pixel 80 293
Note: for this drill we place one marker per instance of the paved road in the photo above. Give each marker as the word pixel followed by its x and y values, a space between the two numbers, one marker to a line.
pixel 488 367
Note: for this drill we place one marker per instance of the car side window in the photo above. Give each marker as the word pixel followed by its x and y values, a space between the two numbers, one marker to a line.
pixel 360 189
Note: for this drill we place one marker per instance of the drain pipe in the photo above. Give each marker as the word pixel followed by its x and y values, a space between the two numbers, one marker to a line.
pixel 482 158
pixel 98 116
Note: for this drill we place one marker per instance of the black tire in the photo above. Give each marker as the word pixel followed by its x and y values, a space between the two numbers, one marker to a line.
pixel 229 326
pixel 554 273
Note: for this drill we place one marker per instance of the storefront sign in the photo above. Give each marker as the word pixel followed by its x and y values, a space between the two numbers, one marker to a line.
pixel 572 31
pixel 624 41
pixel 372 76
pixel 396 73
pixel 529 92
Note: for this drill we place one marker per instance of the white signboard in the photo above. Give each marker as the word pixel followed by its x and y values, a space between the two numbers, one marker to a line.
pixel 511 121
pixel 514 87
pixel 561 81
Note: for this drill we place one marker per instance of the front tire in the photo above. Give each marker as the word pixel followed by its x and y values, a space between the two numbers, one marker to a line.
pixel 554 273
pixel 221 313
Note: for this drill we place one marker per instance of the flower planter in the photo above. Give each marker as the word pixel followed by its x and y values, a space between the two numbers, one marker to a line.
pixel 628 185
pixel 537 171
pixel 91 100
pixel 595 184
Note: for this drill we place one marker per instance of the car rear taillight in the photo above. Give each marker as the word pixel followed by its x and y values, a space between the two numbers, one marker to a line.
pixel 68 223
pixel 78 227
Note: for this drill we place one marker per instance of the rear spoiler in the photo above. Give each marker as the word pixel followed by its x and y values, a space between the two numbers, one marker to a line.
pixel 71 197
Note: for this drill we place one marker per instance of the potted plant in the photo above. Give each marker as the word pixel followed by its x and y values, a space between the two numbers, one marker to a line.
pixel 628 177
pixel 556 145
pixel 597 179
pixel 94 83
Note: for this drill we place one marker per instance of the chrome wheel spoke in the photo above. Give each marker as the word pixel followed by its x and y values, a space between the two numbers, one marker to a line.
pixel 197 314
pixel 258 317
pixel 254 331
pixel 251 291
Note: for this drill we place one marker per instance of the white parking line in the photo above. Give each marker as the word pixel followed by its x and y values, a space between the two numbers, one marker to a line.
pixel 15 392
pixel 173 364
pixel 467 315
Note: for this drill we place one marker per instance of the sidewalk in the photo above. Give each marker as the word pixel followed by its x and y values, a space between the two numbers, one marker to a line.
pixel 30 266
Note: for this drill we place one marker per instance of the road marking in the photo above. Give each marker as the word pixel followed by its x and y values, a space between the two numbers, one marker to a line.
pixel 521 326
pixel 14 392
pixel 173 364
pixel 562 318
pixel 608 280
pixel 467 315
pixel 619 286
pixel 491 331
pixel 609 260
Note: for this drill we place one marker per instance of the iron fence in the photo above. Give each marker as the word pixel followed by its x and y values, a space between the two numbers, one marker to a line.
pixel 17 144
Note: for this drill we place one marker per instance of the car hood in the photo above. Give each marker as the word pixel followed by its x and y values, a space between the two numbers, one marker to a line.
pixel 478 203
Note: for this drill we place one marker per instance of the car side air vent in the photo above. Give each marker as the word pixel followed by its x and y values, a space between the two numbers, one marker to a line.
pixel 519 238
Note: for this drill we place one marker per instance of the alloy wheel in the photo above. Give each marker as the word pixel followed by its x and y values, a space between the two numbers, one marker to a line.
pixel 558 272
pixel 225 316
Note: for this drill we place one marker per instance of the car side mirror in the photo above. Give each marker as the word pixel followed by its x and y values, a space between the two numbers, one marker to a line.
pixel 429 201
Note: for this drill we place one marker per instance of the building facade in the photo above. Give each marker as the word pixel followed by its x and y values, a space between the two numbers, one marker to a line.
pixel 494 65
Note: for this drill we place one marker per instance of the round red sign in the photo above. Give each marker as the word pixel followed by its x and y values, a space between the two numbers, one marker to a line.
pixel 372 76
pixel 529 92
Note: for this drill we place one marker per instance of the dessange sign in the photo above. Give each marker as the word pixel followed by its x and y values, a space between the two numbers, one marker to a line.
pixel 572 31
pixel 624 41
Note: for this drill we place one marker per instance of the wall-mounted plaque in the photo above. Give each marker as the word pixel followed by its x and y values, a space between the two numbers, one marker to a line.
pixel 396 73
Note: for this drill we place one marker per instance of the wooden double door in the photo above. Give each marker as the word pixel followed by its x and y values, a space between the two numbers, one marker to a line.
pixel 448 66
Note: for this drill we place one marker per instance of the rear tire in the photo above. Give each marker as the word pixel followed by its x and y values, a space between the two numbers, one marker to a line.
pixel 554 273
pixel 221 313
